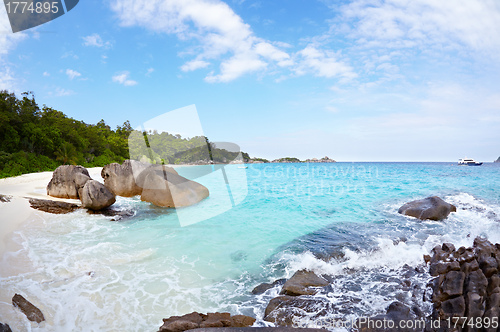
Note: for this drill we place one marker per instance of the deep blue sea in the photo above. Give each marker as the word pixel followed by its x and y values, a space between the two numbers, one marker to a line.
pixel 91 273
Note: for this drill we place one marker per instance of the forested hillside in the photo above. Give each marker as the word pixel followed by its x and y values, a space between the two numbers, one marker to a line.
pixel 34 139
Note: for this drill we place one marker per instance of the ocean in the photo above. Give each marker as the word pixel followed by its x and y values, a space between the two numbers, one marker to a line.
pixel 92 273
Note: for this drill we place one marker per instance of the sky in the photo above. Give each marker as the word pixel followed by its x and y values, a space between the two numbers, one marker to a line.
pixel 360 80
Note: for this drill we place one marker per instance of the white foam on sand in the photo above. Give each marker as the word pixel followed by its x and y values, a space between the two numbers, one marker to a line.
pixel 14 213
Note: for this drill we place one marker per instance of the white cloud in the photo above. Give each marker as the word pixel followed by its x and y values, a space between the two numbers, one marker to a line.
pixel 194 64
pixel 421 23
pixel 236 67
pixel 323 64
pixel 72 73
pixel 60 92
pixel 70 54
pixel 46 73
pixel 96 41
pixel 123 78
pixel 222 34
pixel 8 42
pixel 149 71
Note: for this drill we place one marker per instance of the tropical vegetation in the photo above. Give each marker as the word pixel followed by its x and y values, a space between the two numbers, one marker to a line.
pixel 34 139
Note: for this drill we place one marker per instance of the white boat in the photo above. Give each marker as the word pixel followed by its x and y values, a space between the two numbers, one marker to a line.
pixel 468 162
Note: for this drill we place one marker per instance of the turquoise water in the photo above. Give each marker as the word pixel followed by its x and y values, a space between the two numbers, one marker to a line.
pixel 94 274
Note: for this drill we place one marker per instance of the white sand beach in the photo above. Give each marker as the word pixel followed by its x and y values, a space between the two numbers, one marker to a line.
pixel 18 210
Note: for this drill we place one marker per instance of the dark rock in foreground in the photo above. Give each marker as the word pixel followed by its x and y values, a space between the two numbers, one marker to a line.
pixel 265 286
pixel 301 282
pixel 432 208
pixel 286 310
pixel 112 212
pixel 95 196
pixel 5 328
pixel 67 181
pixel 396 313
pixel 256 329
pixel 33 313
pixel 5 198
pixel 467 282
pixel 55 207
pixel 196 320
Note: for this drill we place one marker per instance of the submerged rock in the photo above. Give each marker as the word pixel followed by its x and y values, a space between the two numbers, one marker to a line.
pixel 5 328
pixel 95 196
pixel 196 320
pixel 262 288
pixel 5 198
pixel 55 207
pixel 396 313
pixel 32 313
pixel 67 180
pixel 286 310
pixel 301 282
pixel 432 208
pixel 111 212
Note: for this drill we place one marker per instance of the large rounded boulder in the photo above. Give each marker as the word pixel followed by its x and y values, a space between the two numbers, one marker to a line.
pixel 95 196
pixel 167 189
pixel 431 208
pixel 122 179
pixel 67 181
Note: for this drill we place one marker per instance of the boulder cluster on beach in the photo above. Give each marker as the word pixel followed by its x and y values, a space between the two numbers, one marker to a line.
pixel 69 181
pixel 158 184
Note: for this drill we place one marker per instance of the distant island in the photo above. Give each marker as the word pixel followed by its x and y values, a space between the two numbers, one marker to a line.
pixel 497 161
pixel 290 160
pixel 34 139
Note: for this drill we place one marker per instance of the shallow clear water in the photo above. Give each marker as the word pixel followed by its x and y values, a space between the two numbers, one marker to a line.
pixel 94 274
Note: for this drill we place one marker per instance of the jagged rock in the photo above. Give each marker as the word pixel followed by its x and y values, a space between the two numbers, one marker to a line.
pixel 474 290
pixel 265 286
pixel 5 198
pixel 166 189
pixel 283 310
pixel 474 305
pixel 300 283
pixel 396 312
pixel 438 268
pixel 67 180
pixel 453 283
pixel 476 282
pixel 468 267
pixel 454 307
pixel 196 320
pixel 494 284
pixel 95 196
pixel 32 313
pixel 5 328
pixel 55 207
pixel 122 179
pixel 432 208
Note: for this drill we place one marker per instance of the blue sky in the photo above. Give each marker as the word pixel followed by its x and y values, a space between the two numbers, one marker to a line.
pixel 360 80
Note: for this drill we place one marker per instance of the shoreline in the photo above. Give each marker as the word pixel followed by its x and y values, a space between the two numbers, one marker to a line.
pixel 18 210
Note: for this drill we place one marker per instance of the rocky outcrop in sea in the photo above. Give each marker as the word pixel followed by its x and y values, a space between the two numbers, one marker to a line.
pixel 196 320
pixel 466 287
pixel 431 208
